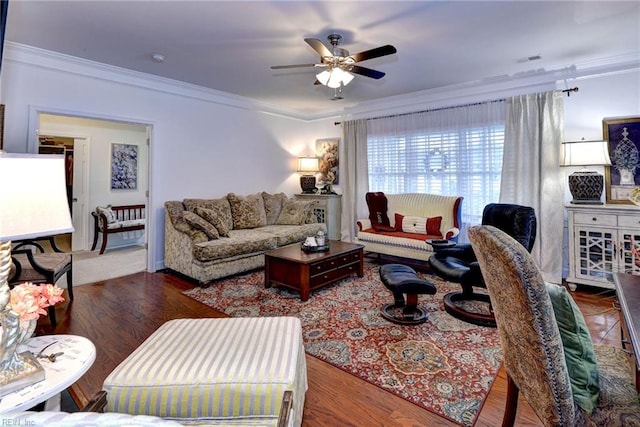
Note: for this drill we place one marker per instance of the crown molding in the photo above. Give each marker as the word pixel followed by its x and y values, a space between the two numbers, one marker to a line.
pixel 45 59
pixel 481 90
pixel 494 88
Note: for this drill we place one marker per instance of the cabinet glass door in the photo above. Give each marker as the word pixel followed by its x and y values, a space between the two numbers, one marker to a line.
pixel 628 259
pixel 595 254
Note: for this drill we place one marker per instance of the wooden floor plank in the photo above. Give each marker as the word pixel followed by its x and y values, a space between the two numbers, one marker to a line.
pixel 117 315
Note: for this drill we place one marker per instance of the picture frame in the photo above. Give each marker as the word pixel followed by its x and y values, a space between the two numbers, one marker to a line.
pixel 1 126
pixel 124 166
pixel 327 151
pixel 623 138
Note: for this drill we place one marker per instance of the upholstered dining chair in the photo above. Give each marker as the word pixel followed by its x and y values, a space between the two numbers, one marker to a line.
pixel 31 263
pixel 459 264
pixel 547 349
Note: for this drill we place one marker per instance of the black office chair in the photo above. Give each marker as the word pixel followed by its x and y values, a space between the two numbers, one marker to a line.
pixel 460 265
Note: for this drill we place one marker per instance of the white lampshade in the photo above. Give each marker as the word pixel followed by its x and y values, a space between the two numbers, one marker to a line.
pixel 334 78
pixel 33 197
pixel 307 164
pixel 584 153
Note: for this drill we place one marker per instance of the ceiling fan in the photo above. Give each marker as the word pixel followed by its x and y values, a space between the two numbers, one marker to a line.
pixel 339 64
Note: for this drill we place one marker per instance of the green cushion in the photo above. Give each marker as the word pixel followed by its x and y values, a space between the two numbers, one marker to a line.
pixel 578 348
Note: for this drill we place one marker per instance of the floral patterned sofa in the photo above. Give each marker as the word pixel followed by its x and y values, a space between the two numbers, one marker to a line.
pixel 207 239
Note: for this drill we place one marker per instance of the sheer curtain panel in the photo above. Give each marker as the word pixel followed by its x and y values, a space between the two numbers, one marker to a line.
pixel 355 182
pixel 531 174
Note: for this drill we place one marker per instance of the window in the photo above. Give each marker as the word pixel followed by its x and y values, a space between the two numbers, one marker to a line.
pixel 466 161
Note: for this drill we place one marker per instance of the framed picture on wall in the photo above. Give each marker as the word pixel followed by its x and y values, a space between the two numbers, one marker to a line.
pixel 623 136
pixel 328 159
pixel 124 166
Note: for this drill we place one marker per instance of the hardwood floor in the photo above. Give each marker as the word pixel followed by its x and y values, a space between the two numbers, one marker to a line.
pixel 118 314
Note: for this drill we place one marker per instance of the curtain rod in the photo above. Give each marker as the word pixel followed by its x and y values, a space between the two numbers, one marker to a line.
pixel 567 91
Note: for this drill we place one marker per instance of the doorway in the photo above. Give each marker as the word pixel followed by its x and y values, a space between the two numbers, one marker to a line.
pixel 86 144
pixel 74 151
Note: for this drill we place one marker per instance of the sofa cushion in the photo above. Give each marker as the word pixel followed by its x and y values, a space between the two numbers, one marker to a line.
pixel 175 210
pixel 247 211
pixel 273 205
pixel 288 234
pixel 215 219
pixel 200 223
pixel 108 213
pixel 418 225
pixel 377 203
pixel 579 354
pixel 295 212
pixel 221 206
pixel 240 242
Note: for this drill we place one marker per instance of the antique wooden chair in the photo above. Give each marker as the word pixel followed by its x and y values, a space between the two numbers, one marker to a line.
pixel 31 263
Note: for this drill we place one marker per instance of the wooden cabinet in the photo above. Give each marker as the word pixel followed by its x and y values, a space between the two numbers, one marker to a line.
pixel 601 239
pixel 327 209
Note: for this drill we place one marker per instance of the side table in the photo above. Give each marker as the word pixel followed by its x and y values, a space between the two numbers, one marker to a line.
pixel 327 209
pixel 78 355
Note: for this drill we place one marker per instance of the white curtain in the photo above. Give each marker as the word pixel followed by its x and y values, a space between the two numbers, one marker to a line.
pixel 531 174
pixel 353 176
pixel 448 151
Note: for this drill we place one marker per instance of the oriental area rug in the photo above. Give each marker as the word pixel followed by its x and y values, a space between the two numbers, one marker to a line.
pixel 444 365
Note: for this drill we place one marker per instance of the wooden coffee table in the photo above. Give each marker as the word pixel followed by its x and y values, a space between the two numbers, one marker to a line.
pixel 291 267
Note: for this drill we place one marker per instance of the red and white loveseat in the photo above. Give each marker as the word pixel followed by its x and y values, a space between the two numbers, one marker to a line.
pixel 412 218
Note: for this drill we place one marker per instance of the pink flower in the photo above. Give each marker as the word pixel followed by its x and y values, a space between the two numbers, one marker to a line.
pixel 30 301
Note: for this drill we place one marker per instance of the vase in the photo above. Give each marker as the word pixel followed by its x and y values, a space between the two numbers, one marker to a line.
pixel 27 328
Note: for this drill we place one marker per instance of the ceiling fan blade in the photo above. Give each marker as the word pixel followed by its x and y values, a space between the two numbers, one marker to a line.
pixel 317 82
pixel 279 67
pixel 319 47
pixel 374 74
pixel 374 53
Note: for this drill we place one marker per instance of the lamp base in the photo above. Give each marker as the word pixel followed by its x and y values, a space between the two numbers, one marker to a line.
pixel 586 187
pixel 308 184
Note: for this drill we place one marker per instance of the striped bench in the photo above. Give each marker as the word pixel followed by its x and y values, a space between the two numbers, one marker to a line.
pixel 231 371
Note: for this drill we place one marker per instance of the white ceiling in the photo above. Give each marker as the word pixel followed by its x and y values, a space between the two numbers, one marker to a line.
pixel 230 45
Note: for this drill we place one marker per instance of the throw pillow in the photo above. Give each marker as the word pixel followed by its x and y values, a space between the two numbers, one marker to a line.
pixel 220 206
pixel 578 348
pixel 294 212
pixel 200 223
pixel 273 205
pixel 419 225
pixel 214 219
pixel 247 211
pixel 378 206
pixel 108 213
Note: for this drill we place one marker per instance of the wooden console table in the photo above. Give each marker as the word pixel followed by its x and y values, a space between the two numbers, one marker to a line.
pixel 628 292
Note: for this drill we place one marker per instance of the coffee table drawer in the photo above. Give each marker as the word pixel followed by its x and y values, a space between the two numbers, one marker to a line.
pixel 331 263
pixel 333 275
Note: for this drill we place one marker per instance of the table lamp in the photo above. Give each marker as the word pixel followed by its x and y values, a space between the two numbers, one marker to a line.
pixel 308 166
pixel 585 186
pixel 33 203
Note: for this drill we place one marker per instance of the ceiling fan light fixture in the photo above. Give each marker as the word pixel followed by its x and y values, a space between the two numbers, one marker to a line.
pixel 334 78
pixel 323 77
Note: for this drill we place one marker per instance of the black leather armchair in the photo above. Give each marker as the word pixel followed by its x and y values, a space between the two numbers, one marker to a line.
pixel 460 265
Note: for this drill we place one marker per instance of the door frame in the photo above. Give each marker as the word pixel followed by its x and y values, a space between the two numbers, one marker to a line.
pixel 32 147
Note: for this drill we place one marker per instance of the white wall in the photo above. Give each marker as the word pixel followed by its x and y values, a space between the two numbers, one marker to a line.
pixel 613 95
pixel 201 146
pixel 607 96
